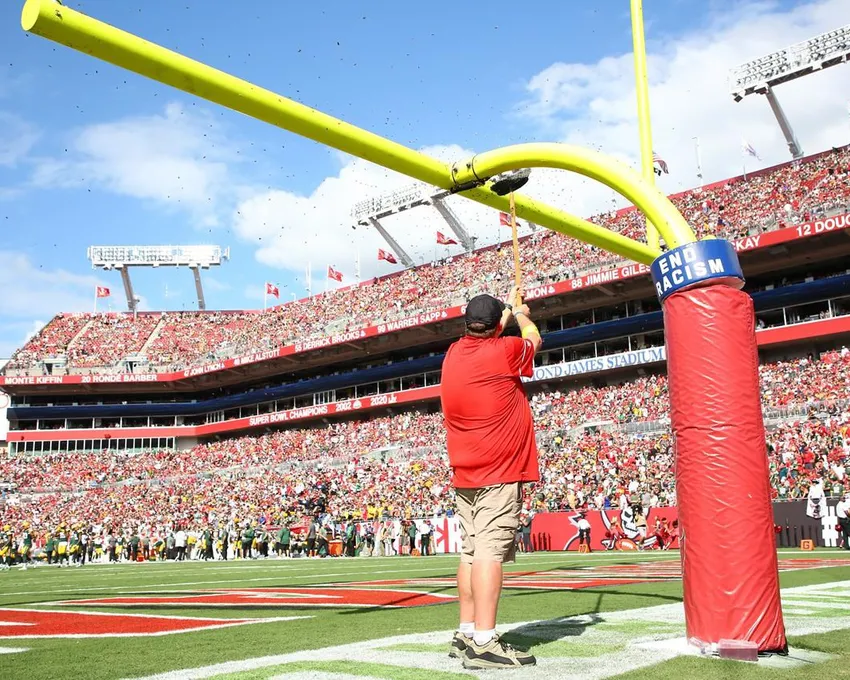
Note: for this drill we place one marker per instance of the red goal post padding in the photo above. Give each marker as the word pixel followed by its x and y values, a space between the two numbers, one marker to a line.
pixel 729 562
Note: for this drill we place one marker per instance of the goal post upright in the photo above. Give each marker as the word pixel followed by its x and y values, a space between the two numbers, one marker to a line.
pixel 647 164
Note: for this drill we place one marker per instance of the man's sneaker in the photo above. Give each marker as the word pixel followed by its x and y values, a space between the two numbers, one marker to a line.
pixel 495 654
pixel 459 644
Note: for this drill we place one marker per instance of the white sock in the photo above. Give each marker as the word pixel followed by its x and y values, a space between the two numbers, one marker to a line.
pixel 482 637
pixel 466 628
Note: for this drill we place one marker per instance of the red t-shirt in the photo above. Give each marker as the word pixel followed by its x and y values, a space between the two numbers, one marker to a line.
pixel 488 418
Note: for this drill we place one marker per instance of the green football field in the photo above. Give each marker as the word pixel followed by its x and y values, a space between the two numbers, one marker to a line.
pixel 600 615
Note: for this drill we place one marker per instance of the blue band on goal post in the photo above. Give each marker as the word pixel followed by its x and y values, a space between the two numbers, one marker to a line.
pixel 696 264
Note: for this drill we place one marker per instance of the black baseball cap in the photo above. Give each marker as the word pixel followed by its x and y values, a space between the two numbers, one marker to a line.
pixel 485 310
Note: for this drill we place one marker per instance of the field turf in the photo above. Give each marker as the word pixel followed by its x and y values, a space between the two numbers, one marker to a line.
pixel 605 628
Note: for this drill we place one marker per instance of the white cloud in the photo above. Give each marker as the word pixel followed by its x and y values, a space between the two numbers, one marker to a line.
pixel 291 229
pixel 17 137
pixel 178 158
pixel 594 104
pixel 32 292
pixel 10 193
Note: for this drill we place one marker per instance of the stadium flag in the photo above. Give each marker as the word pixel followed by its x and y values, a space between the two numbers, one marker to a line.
pixel 271 289
pixel 334 274
pixel 661 163
pixel 444 240
pixel 308 279
pixel 504 219
pixel 388 257
pixel 748 149
pixel 100 292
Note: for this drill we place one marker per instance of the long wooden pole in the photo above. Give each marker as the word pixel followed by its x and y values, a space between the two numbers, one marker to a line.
pixel 517 266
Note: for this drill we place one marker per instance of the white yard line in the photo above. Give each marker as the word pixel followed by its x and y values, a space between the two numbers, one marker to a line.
pixel 636 650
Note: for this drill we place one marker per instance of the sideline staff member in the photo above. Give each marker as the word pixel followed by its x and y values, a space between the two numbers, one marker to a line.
pixel 492 452
pixel 842 513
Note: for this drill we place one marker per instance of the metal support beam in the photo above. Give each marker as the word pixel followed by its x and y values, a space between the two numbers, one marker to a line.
pixel 128 289
pixel 202 304
pixel 454 223
pixel 787 131
pixel 393 244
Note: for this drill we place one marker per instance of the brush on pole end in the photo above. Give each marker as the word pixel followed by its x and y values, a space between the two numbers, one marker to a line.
pixel 509 182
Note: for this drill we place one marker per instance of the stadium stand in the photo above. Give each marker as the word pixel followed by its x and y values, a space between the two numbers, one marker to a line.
pixel 602 443
pixel 291 473
pixel 107 338
pixel 785 195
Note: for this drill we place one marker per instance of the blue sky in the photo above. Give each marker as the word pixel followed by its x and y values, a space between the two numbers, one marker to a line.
pixel 93 155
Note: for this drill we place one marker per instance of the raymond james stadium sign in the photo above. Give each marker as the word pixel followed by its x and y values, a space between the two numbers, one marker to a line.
pixel 653 355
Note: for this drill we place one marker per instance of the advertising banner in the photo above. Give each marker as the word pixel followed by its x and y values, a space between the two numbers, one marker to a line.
pixel 611 529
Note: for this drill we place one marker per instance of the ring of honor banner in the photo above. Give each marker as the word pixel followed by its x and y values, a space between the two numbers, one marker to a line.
pixel 729 564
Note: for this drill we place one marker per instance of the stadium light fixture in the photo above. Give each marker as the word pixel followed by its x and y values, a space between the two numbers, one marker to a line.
pixel 123 257
pixel 762 75
pixel 392 201
pixel 371 211
pixel 174 256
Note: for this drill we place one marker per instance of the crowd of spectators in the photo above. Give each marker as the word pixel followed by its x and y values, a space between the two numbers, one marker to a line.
pixel 396 467
pixel 52 340
pixel 784 196
pixel 108 338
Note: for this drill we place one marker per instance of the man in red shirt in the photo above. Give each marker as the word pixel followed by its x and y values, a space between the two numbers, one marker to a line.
pixel 492 452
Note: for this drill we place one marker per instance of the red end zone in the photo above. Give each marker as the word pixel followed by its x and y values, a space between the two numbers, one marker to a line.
pixel 279 597
pixel 40 623
pixel 564 579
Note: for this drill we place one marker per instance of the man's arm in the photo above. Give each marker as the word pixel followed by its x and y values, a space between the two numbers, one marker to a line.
pixel 522 315
pixel 527 327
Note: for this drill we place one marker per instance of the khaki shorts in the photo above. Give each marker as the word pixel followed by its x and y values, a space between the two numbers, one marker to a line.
pixel 489 519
